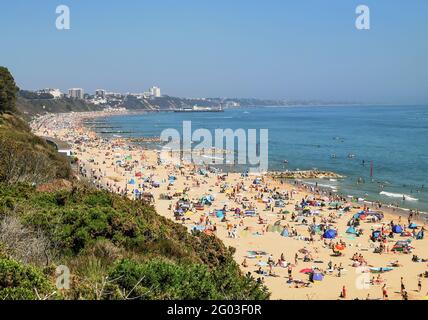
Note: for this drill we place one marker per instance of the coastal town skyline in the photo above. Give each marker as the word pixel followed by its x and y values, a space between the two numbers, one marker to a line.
pixel 192 49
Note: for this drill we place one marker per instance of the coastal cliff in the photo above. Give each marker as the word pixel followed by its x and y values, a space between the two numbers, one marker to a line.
pixel 114 247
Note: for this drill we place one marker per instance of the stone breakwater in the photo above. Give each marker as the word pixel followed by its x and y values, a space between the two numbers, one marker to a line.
pixel 306 174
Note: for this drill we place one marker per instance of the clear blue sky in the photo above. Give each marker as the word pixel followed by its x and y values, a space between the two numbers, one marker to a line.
pixel 300 49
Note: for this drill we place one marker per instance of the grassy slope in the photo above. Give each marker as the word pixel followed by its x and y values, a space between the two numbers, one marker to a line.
pixel 100 236
pixel 15 133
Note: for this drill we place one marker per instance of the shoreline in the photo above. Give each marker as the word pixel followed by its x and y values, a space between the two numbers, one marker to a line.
pixel 305 175
pixel 292 175
pixel 124 167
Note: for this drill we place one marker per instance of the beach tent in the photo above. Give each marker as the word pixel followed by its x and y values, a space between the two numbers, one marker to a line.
pixel 132 181
pixel 285 233
pixel 351 230
pixel 376 234
pixel 420 235
pixel 317 276
pixel 413 226
pixel 330 234
pixel 220 214
pixel 397 229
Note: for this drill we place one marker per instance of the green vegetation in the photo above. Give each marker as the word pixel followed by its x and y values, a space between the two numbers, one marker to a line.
pixel 25 157
pixel 29 105
pixel 23 282
pixel 31 95
pixel 8 91
pixel 121 246
pixel 115 248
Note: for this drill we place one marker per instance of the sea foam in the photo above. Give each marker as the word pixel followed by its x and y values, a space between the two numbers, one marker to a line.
pixel 398 195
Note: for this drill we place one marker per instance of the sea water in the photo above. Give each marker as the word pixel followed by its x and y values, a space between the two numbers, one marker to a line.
pixel 392 139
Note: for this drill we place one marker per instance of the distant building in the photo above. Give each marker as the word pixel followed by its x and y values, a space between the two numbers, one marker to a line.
pixel 140 96
pixel 155 92
pixel 113 95
pixel 100 93
pixel 76 93
pixel 56 93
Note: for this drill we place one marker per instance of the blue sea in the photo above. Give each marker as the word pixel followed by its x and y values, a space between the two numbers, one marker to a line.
pixel 393 138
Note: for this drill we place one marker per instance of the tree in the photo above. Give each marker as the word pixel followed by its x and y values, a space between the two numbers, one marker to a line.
pixel 8 90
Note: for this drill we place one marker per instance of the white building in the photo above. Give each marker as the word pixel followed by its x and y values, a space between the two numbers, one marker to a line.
pixel 155 92
pixel 76 93
pixel 56 93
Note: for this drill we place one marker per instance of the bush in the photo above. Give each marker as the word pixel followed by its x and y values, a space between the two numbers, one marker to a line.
pixel 158 279
pixel 22 282
pixel 98 233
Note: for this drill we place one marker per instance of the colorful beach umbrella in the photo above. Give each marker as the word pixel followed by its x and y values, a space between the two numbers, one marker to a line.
pixel 306 271
pixel 330 234
pixel 339 247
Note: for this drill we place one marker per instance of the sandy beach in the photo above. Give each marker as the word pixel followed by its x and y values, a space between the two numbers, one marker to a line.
pixel 302 242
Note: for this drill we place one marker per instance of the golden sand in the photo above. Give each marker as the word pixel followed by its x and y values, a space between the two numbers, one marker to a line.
pixel 100 160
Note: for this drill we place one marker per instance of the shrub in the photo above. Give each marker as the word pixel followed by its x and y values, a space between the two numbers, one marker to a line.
pixel 23 282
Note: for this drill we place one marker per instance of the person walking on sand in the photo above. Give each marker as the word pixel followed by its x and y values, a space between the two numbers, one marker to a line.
pixel 403 288
pixel 419 283
pixel 343 293
pixel 384 292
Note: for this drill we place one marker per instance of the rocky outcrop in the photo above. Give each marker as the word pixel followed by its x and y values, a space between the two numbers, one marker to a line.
pixel 306 174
